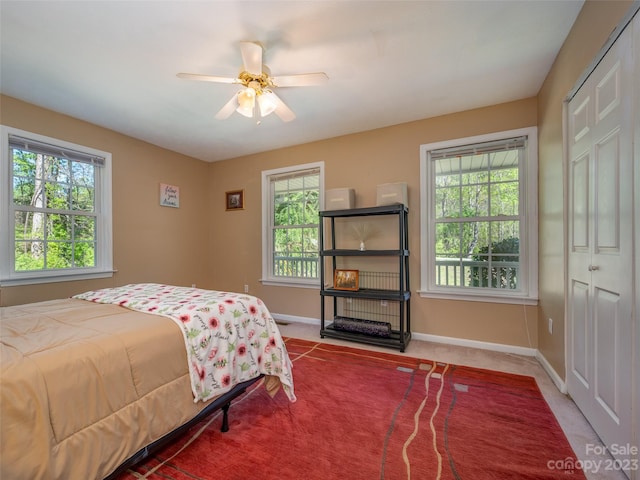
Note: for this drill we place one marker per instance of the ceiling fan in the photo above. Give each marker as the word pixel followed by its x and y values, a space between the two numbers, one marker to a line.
pixel 257 97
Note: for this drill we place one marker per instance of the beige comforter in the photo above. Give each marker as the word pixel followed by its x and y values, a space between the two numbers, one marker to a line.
pixel 83 386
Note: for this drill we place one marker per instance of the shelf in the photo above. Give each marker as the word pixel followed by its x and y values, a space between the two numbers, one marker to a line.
pixel 368 293
pixel 367 211
pixel 364 253
pixel 394 341
pixel 366 303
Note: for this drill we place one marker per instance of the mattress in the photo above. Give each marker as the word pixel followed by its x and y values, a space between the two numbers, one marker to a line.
pixel 85 385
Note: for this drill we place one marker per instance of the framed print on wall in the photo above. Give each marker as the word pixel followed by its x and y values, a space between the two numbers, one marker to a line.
pixel 169 195
pixel 235 200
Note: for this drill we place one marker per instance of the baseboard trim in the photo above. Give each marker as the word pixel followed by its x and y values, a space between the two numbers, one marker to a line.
pixel 295 319
pixel 496 347
pixel 555 378
pixel 462 342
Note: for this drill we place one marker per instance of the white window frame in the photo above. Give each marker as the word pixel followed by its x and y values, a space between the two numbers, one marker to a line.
pixel 104 242
pixel 528 293
pixel 267 224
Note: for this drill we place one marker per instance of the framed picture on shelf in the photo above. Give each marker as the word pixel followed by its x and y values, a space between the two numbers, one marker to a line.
pixel 235 200
pixel 346 279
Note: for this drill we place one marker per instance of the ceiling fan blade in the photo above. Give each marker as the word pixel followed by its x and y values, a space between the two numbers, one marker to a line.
pixel 208 78
pixel 251 57
pixel 301 80
pixel 228 109
pixel 282 111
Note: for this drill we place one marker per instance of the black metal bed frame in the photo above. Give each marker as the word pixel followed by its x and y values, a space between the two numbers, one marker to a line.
pixel 222 402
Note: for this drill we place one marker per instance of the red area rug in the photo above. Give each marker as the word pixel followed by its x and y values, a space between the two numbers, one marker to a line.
pixel 364 415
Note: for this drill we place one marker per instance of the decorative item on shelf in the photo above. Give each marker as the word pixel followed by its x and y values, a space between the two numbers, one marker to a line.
pixel 340 198
pixel 369 327
pixel 363 232
pixel 346 280
pixel 391 193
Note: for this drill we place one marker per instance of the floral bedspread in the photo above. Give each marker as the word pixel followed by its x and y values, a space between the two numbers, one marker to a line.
pixel 230 337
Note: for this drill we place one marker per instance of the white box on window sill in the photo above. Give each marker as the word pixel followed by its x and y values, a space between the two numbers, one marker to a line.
pixel 339 198
pixel 391 193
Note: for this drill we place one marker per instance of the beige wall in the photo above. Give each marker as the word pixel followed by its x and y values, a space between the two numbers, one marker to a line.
pixel 223 252
pixel 362 161
pixel 202 243
pixel 150 243
pixel 592 28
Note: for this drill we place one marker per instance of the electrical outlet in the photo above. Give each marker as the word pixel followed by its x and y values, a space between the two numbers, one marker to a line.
pixel 246 288
pixel 550 326
pixel 193 285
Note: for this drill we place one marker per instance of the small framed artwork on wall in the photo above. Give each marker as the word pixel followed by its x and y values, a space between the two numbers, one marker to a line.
pixel 169 195
pixel 235 200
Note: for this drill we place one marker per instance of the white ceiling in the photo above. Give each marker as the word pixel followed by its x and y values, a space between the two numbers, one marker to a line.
pixel 114 63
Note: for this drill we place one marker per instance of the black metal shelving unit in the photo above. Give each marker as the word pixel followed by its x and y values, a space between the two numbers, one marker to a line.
pixel 400 334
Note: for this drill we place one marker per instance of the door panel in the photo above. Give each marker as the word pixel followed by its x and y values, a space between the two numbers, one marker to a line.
pixel 608 92
pixel 606 359
pixel 578 334
pixel 607 211
pixel 600 219
pixel 579 176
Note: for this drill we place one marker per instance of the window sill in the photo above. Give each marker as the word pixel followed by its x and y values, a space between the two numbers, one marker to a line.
pixel 290 283
pixel 34 280
pixel 486 298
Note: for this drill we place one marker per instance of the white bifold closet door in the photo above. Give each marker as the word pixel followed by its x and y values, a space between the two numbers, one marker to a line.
pixel 601 324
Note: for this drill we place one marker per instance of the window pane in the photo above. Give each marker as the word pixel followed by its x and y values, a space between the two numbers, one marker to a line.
pixel 497 262
pixel 505 235
pixel 84 228
pixel 83 174
pixel 505 198
pixel 448 240
pixel 59 255
pixel 84 254
pixel 475 201
pixel 280 210
pixel 58 169
pixel 29 225
pixel 23 191
pixel 447 171
pixel 448 254
pixel 57 196
pixel 447 202
pixel 504 165
pixel 311 207
pixel 29 256
pixel 82 198
pixel 58 227
pixel 474 177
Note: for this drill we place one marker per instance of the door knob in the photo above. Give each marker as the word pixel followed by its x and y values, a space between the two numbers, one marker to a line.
pixel 592 268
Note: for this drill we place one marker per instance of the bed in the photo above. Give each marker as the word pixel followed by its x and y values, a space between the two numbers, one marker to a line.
pixel 89 383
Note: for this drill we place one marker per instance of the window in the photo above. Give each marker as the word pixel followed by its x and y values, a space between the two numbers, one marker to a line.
pixel 291 199
pixel 56 210
pixel 479 220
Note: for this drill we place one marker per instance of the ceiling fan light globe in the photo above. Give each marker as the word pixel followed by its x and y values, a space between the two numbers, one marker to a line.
pixel 247 112
pixel 247 97
pixel 246 102
pixel 267 103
